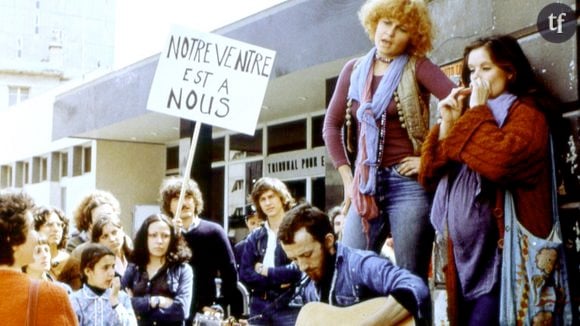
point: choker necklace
(383, 60)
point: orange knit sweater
(53, 306)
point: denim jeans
(404, 207)
(483, 310)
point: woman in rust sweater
(389, 89)
(493, 136)
(17, 242)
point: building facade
(38, 37)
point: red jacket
(515, 157)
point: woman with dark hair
(109, 232)
(53, 225)
(384, 97)
(158, 278)
(17, 242)
(101, 300)
(493, 137)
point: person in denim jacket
(158, 278)
(342, 276)
(268, 273)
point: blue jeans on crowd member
(271, 316)
(404, 208)
(483, 310)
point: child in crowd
(39, 268)
(100, 301)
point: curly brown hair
(412, 14)
(41, 215)
(14, 222)
(82, 215)
(171, 187)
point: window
(317, 123)
(172, 159)
(17, 94)
(87, 159)
(297, 188)
(215, 203)
(5, 176)
(63, 164)
(238, 185)
(25, 173)
(242, 146)
(217, 149)
(43, 169)
(287, 137)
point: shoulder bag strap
(32, 302)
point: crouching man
(375, 291)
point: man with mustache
(342, 276)
(212, 254)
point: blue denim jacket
(360, 275)
(179, 280)
(284, 271)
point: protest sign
(211, 79)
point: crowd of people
(410, 179)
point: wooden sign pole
(187, 172)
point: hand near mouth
(115, 288)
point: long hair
(506, 53)
(266, 183)
(177, 252)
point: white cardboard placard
(211, 79)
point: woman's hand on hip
(409, 166)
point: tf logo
(557, 22)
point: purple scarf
(369, 111)
(460, 206)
